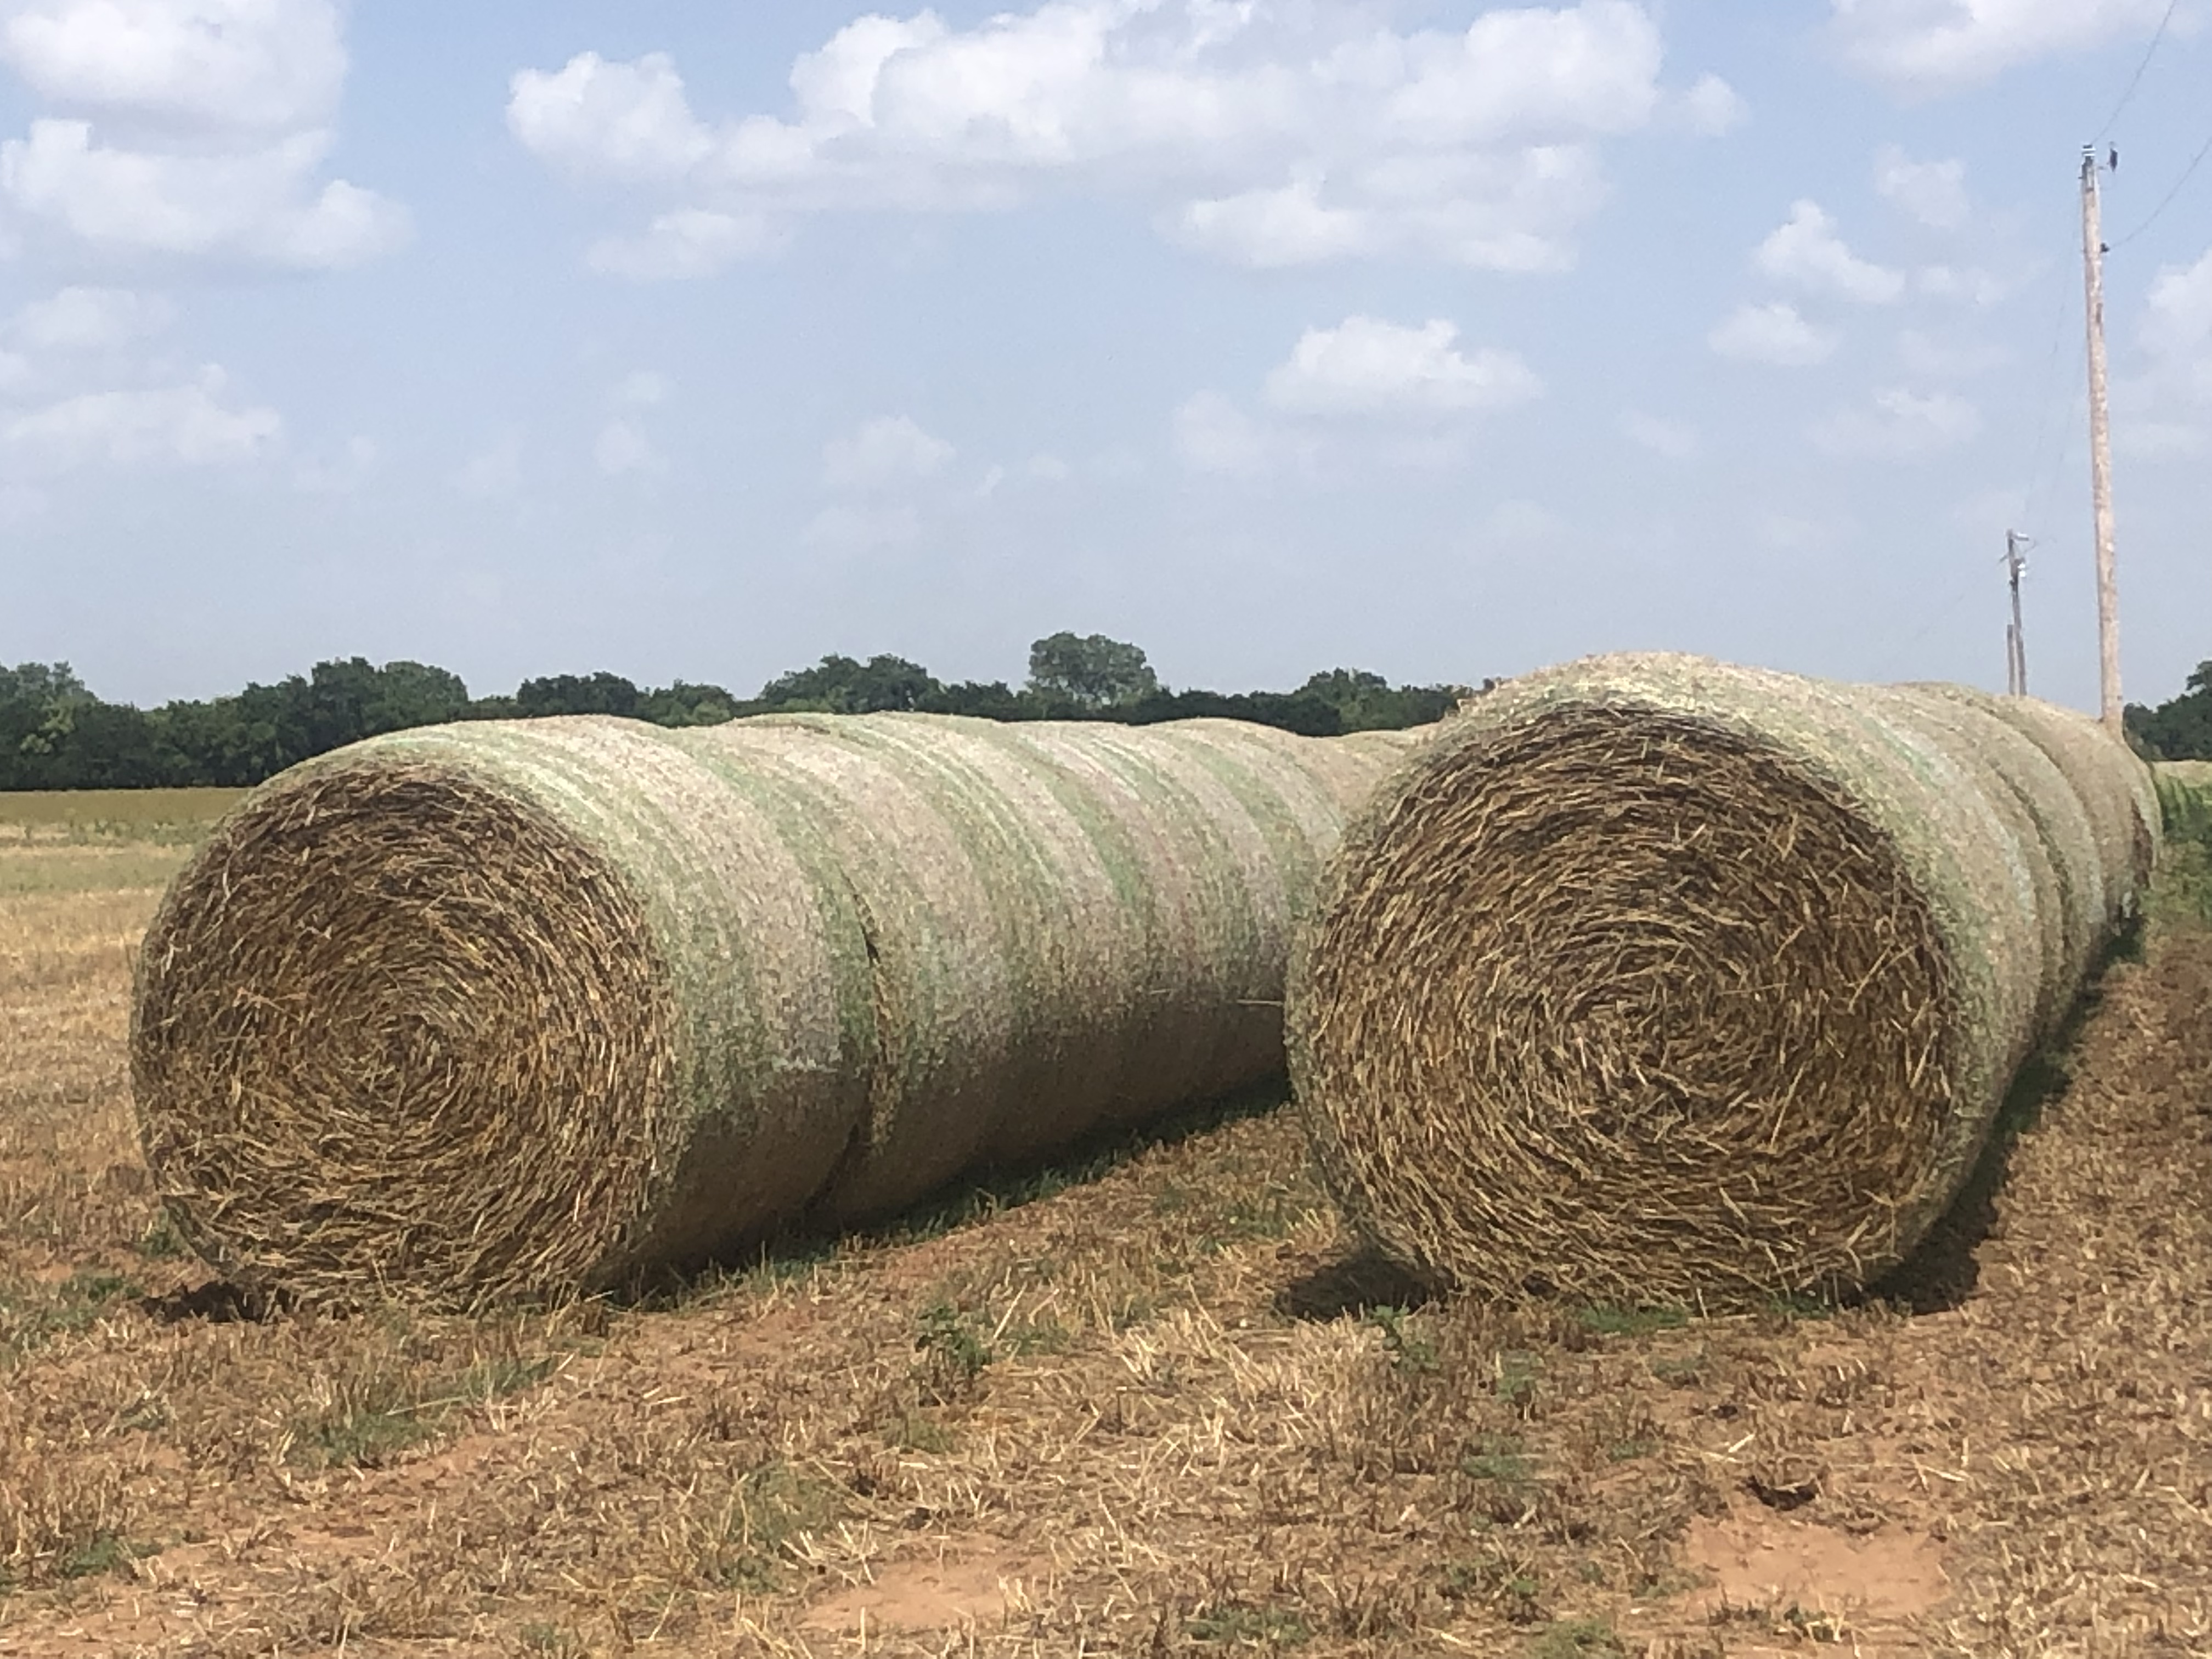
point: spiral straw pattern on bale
(533, 1006)
(1653, 980)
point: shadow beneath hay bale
(218, 1302)
(1357, 1283)
(1946, 1268)
(988, 1191)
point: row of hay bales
(1652, 980)
(532, 1007)
(1645, 980)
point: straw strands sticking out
(532, 1007)
(1653, 980)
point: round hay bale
(494, 1009)
(2114, 786)
(1139, 884)
(528, 1007)
(1653, 980)
(2077, 916)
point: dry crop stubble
(1655, 980)
(1198, 1423)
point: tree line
(56, 734)
(2180, 728)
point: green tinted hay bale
(1136, 885)
(496, 1008)
(2051, 825)
(2120, 799)
(532, 1007)
(1651, 980)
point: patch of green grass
(2181, 892)
(1790, 1308)
(1235, 1625)
(1683, 1371)
(924, 1434)
(1038, 1336)
(1408, 1348)
(1518, 1374)
(370, 1421)
(1575, 1639)
(770, 1507)
(1628, 1451)
(162, 1242)
(104, 1553)
(538, 1637)
(1608, 1321)
(1499, 1457)
(954, 1353)
(31, 1316)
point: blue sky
(1446, 340)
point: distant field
(123, 814)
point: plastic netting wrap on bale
(532, 1007)
(1652, 980)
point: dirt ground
(1149, 1403)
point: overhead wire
(2136, 80)
(2165, 201)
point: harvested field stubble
(1657, 981)
(539, 1005)
(1167, 1410)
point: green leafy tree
(844, 685)
(990, 700)
(570, 694)
(1368, 703)
(1090, 671)
(685, 704)
(2179, 728)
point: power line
(2166, 201)
(2136, 80)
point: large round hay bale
(532, 1007)
(2122, 801)
(1653, 980)
(2051, 826)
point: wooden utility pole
(2100, 452)
(2016, 636)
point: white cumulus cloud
(1212, 434)
(882, 452)
(686, 243)
(276, 63)
(89, 319)
(2165, 412)
(623, 446)
(1936, 45)
(254, 205)
(187, 425)
(1934, 193)
(2177, 330)
(1806, 252)
(1711, 106)
(1366, 365)
(615, 120)
(1264, 135)
(1899, 424)
(1773, 334)
(1675, 440)
(224, 109)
